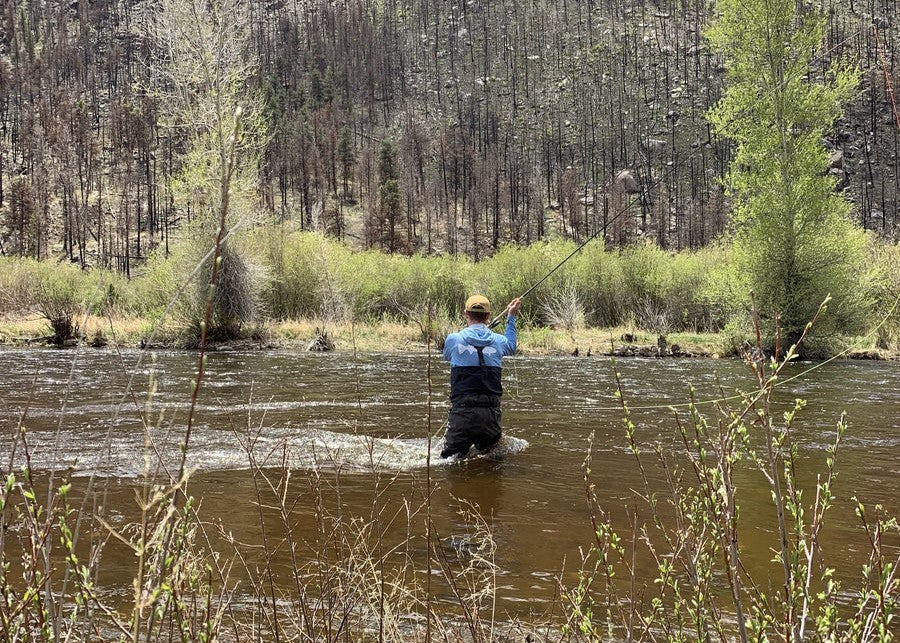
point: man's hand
(513, 307)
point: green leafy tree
(204, 80)
(794, 240)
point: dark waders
(474, 419)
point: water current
(366, 418)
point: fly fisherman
(475, 354)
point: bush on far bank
(59, 291)
(647, 287)
(312, 276)
(884, 275)
(301, 275)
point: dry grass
(380, 337)
(18, 330)
(124, 331)
(392, 337)
(600, 341)
(383, 336)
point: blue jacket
(475, 355)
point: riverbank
(373, 301)
(394, 337)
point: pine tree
(347, 157)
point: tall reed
(692, 530)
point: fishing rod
(496, 320)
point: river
(313, 408)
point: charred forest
(415, 127)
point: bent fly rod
(496, 320)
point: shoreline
(386, 336)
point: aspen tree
(202, 77)
(794, 241)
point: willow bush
(294, 266)
(643, 285)
(600, 283)
(884, 275)
(415, 282)
(159, 282)
(17, 280)
(27, 284)
(514, 269)
(282, 274)
(307, 275)
(62, 293)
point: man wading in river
(475, 354)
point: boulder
(836, 159)
(626, 183)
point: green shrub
(514, 269)
(696, 297)
(296, 275)
(361, 281)
(600, 284)
(65, 294)
(161, 282)
(399, 287)
(312, 276)
(883, 275)
(415, 282)
(296, 264)
(61, 292)
(316, 277)
(18, 284)
(654, 289)
(59, 301)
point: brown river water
(356, 414)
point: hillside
(503, 122)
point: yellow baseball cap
(478, 304)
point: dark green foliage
(387, 162)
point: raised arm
(510, 332)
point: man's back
(475, 355)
